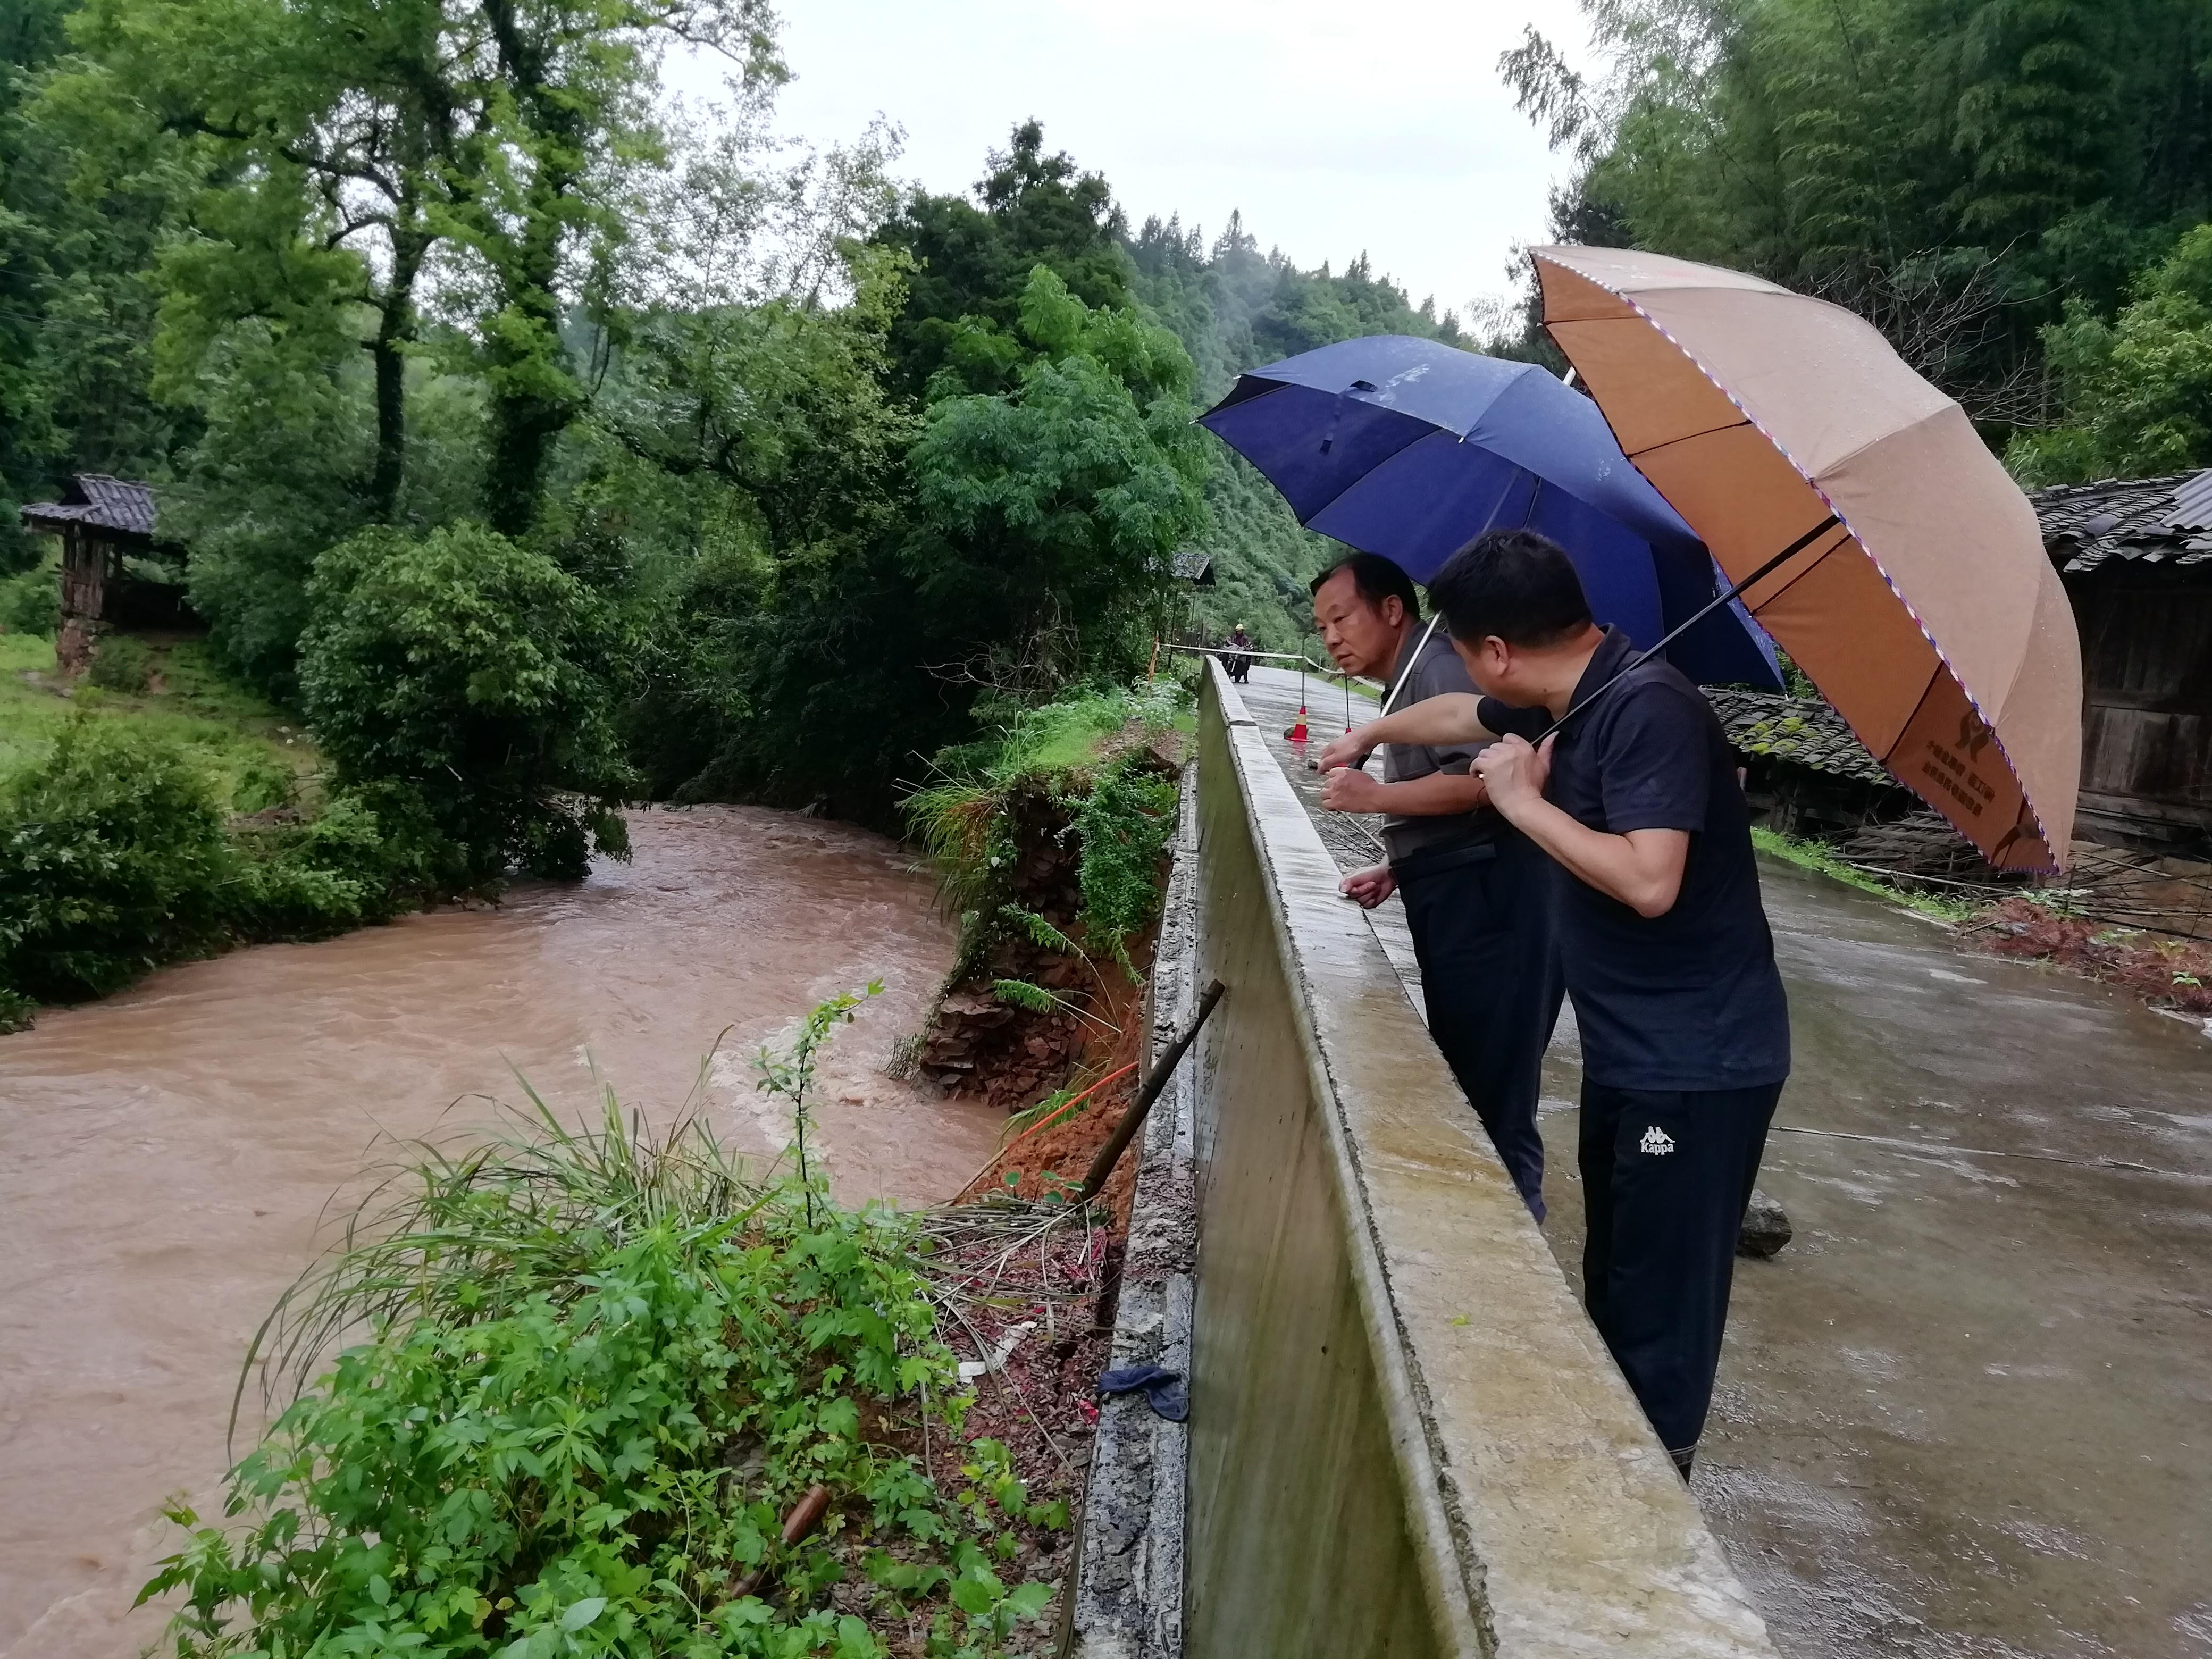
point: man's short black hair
(1376, 578)
(1515, 584)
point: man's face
(1363, 638)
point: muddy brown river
(165, 1155)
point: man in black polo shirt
(1477, 892)
(1663, 940)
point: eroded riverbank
(165, 1155)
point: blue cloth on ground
(1163, 1389)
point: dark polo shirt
(1431, 671)
(1690, 1000)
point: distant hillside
(1234, 308)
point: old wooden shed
(2135, 556)
(102, 521)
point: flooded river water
(165, 1155)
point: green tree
(475, 673)
(88, 190)
(333, 132)
(1051, 512)
(1955, 170)
(1235, 308)
(1032, 548)
(972, 260)
(2138, 389)
(565, 113)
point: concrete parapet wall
(1406, 1438)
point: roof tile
(94, 498)
(1803, 731)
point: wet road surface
(164, 1155)
(1968, 1411)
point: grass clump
(588, 1376)
(234, 735)
(121, 663)
(1089, 767)
(1817, 856)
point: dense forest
(2015, 191)
(539, 443)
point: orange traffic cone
(1297, 733)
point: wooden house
(1805, 771)
(2135, 556)
(101, 521)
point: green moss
(1817, 856)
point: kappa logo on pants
(1657, 1141)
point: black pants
(1666, 1177)
(1481, 918)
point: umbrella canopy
(1921, 601)
(1409, 448)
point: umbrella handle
(1756, 576)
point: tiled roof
(1193, 566)
(94, 498)
(2155, 520)
(1804, 732)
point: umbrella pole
(1756, 576)
(1403, 677)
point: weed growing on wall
(581, 1380)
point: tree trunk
(535, 394)
(395, 329)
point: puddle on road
(164, 1156)
(1965, 1414)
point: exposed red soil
(2165, 971)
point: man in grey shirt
(1477, 895)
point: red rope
(1063, 1110)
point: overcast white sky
(1336, 127)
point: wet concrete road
(1968, 1411)
(164, 1155)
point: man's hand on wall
(1368, 887)
(1350, 749)
(1347, 789)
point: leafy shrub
(114, 859)
(261, 783)
(31, 604)
(474, 673)
(111, 860)
(121, 663)
(1124, 824)
(599, 1371)
(1061, 756)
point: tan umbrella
(1916, 592)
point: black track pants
(1481, 919)
(1666, 1175)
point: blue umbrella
(1410, 448)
